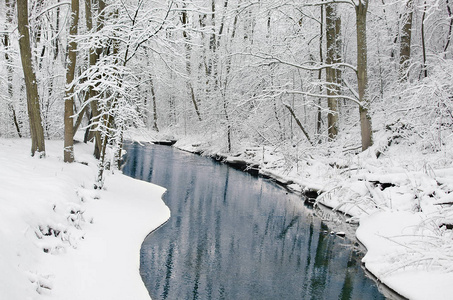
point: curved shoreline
(309, 193)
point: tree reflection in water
(235, 236)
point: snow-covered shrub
(117, 102)
(426, 246)
(424, 110)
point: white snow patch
(406, 256)
(61, 239)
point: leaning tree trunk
(450, 27)
(425, 68)
(34, 111)
(362, 74)
(70, 72)
(299, 123)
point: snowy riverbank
(64, 240)
(60, 238)
(401, 197)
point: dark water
(235, 236)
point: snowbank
(406, 256)
(60, 238)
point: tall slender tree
(333, 75)
(9, 67)
(34, 111)
(405, 39)
(361, 9)
(69, 92)
(424, 67)
(188, 49)
(94, 55)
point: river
(232, 235)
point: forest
(311, 73)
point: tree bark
(425, 69)
(153, 95)
(333, 44)
(362, 74)
(70, 74)
(188, 48)
(321, 60)
(34, 111)
(299, 123)
(93, 58)
(450, 26)
(405, 42)
(224, 83)
(9, 65)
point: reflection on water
(235, 236)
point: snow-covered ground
(399, 193)
(60, 238)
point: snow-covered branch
(305, 65)
(325, 96)
(351, 89)
(51, 7)
(351, 2)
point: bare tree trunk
(405, 42)
(333, 25)
(213, 61)
(93, 58)
(34, 111)
(108, 120)
(450, 26)
(212, 40)
(172, 103)
(301, 127)
(56, 39)
(227, 71)
(321, 60)
(70, 74)
(185, 22)
(339, 51)
(9, 68)
(425, 69)
(78, 121)
(153, 95)
(362, 74)
(227, 119)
